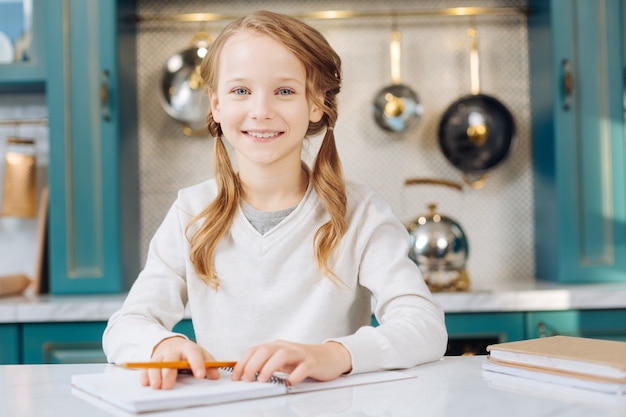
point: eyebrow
(279, 80)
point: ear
(316, 112)
(214, 104)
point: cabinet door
(93, 214)
(578, 139)
(63, 342)
(601, 324)
(19, 75)
(68, 342)
(9, 344)
(470, 333)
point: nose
(261, 106)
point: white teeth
(263, 135)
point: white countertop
(453, 386)
(532, 297)
(537, 296)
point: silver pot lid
(438, 243)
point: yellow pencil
(174, 365)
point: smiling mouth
(263, 135)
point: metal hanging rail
(19, 122)
(346, 14)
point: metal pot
(439, 246)
(477, 131)
(396, 107)
(183, 95)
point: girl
(277, 262)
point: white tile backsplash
(497, 219)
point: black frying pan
(477, 131)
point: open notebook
(122, 389)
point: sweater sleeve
(156, 301)
(412, 327)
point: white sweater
(270, 288)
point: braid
(218, 216)
(329, 185)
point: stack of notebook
(593, 364)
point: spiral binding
(274, 379)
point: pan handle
(395, 52)
(568, 84)
(433, 181)
(474, 62)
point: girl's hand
(323, 362)
(177, 349)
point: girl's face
(260, 100)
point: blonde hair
(323, 75)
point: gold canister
(19, 198)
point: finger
(241, 365)
(168, 378)
(210, 373)
(298, 374)
(154, 378)
(257, 361)
(144, 380)
(280, 360)
(196, 358)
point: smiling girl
(277, 262)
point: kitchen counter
(532, 297)
(536, 296)
(453, 386)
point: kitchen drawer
(62, 342)
(71, 342)
(9, 344)
(601, 324)
(470, 333)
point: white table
(454, 386)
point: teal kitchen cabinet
(470, 333)
(62, 342)
(601, 324)
(9, 344)
(30, 72)
(577, 102)
(75, 342)
(91, 98)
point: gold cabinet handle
(104, 95)
(568, 84)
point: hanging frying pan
(396, 107)
(477, 131)
(183, 95)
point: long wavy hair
(323, 80)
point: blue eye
(240, 91)
(285, 92)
